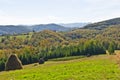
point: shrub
(2, 65)
(41, 61)
(88, 55)
(13, 63)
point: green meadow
(100, 67)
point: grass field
(67, 58)
(102, 67)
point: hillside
(103, 24)
(106, 35)
(81, 33)
(112, 31)
(102, 67)
(47, 37)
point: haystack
(13, 63)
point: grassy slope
(21, 36)
(101, 67)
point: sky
(27, 12)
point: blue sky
(57, 11)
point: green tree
(111, 48)
(2, 64)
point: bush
(88, 55)
(13, 63)
(2, 65)
(41, 61)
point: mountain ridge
(103, 24)
(19, 29)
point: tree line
(91, 47)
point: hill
(112, 31)
(53, 27)
(103, 24)
(105, 35)
(12, 29)
(47, 37)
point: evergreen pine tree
(111, 48)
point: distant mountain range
(18, 29)
(53, 27)
(11, 29)
(74, 25)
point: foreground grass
(101, 67)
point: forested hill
(108, 34)
(103, 24)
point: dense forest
(48, 44)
